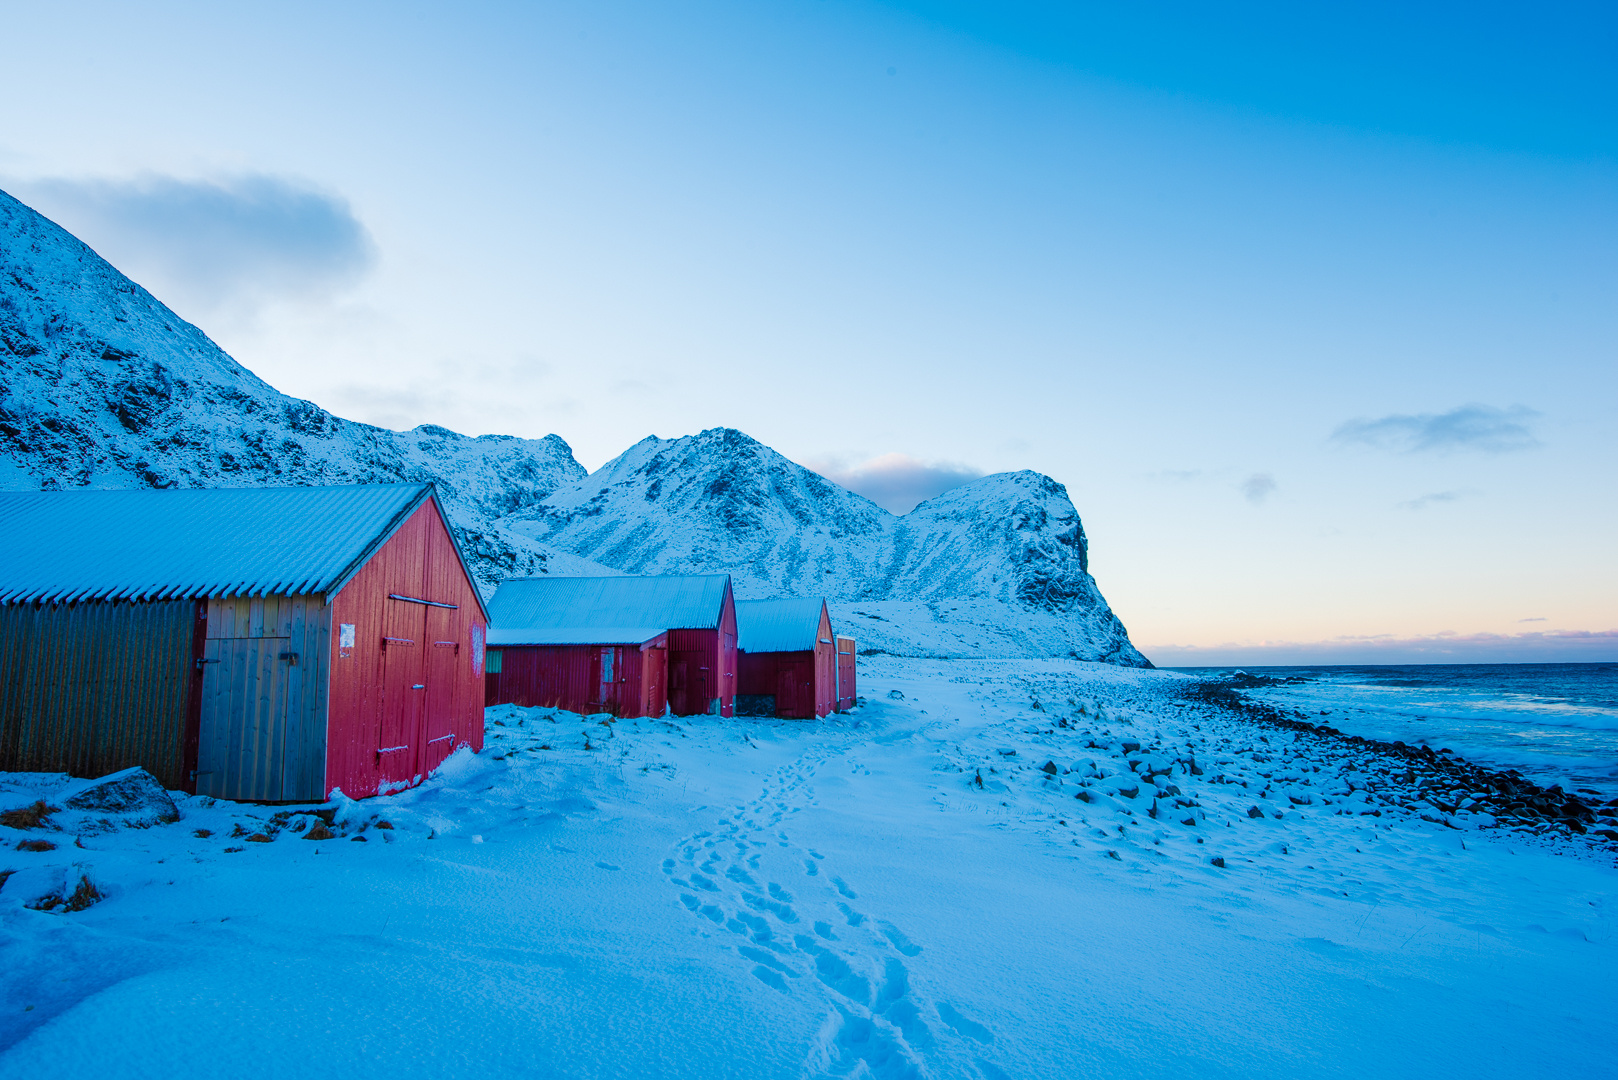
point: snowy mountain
(103, 386)
(998, 566)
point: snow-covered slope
(103, 386)
(997, 567)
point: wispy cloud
(896, 482)
(1258, 487)
(239, 239)
(1422, 502)
(1470, 427)
(1536, 618)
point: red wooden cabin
(258, 644)
(621, 645)
(786, 658)
(845, 674)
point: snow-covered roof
(59, 546)
(571, 635)
(616, 607)
(778, 625)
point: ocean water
(1556, 723)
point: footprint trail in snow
(798, 924)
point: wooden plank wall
(845, 674)
(95, 687)
(372, 695)
(264, 699)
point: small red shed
(845, 674)
(786, 658)
(257, 644)
(629, 646)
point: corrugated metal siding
(546, 677)
(788, 677)
(383, 731)
(693, 659)
(789, 625)
(670, 602)
(95, 687)
(654, 660)
(570, 677)
(262, 731)
(142, 544)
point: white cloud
(235, 242)
(896, 482)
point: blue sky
(1312, 310)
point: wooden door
(399, 738)
(242, 737)
(786, 691)
(701, 694)
(610, 678)
(440, 715)
(654, 666)
(679, 673)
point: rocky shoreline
(1437, 779)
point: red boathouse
(787, 661)
(256, 644)
(628, 646)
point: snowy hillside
(103, 386)
(1003, 558)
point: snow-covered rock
(129, 797)
(103, 386)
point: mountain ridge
(104, 386)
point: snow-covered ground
(905, 890)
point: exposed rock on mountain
(103, 386)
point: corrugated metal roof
(607, 605)
(778, 625)
(60, 546)
(571, 635)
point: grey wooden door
(242, 740)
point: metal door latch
(201, 661)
